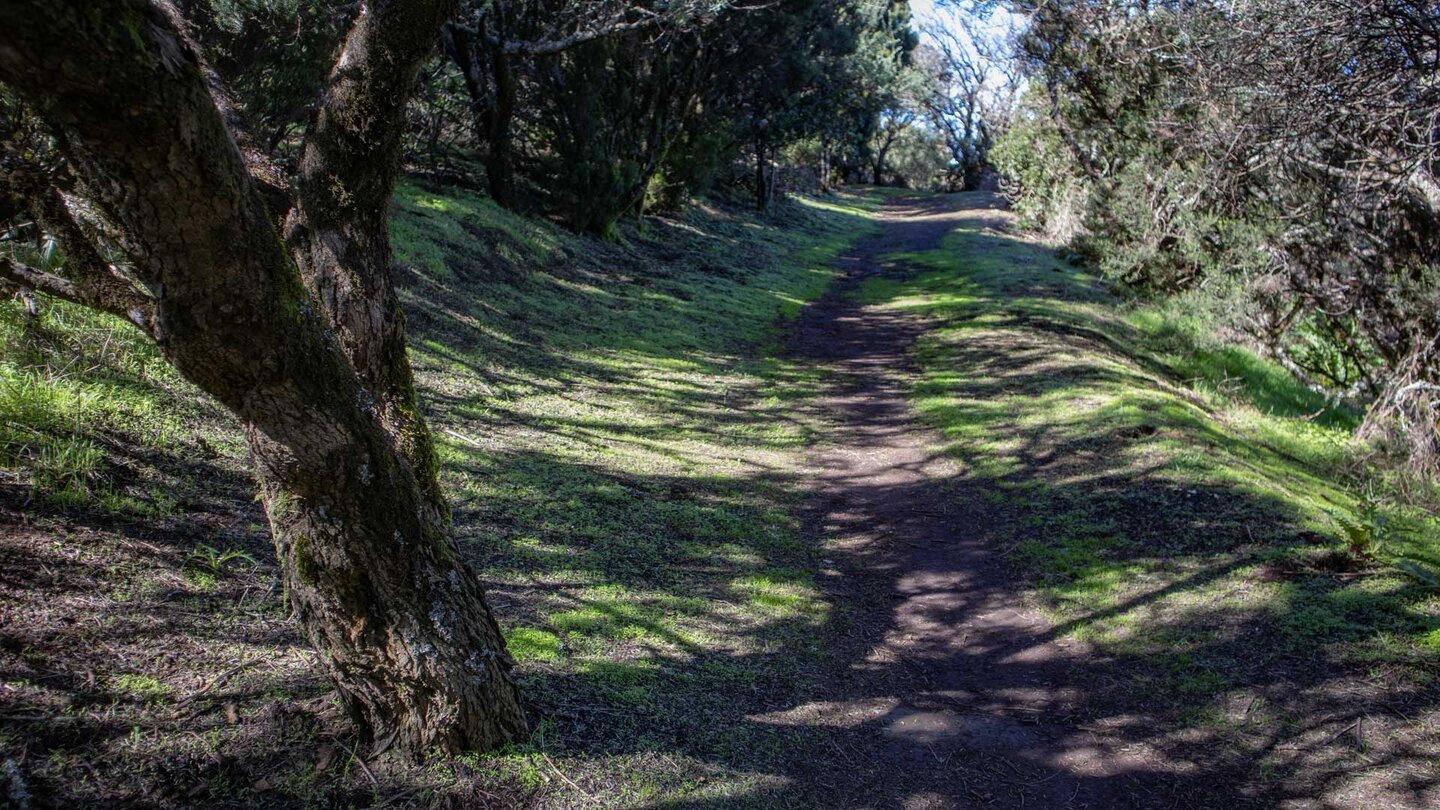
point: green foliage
(1366, 532)
(609, 109)
(697, 159)
(1381, 532)
(1311, 343)
(1039, 173)
(609, 126)
(274, 54)
(212, 560)
(918, 159)
(1176, 144)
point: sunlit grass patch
(1183, 492)
(850, 203)
(778, 593)
(74, 384)
(533, 644)
(139, 687)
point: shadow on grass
(1201, 654)
(1208, 646)
(612, 510)
(662, 612)
(686, 641)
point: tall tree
(501, 45)
(612, 107)
(972, 90)
(296, 329)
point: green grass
(1172, 499)
(139, 687)
(73, 385)
(531, 644)
(617, 433)
(618, 439)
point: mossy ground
(616, 437)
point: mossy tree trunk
(299, 334)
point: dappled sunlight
(733, 571)
(620, 453)
(624, 470)
(1152, 512)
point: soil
(951, 690)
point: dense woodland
(219, 175)
(1282, 155)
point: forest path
(949, 691)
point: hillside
(870, 502)
(614, 432)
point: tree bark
(302, 339)
(878, 166)
(493, 110)
(500, 164)
(762, 188)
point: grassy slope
(617, 435)
(1173, 501)
(616, 438)
(619, 461)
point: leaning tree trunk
(303, 340)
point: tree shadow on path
(954, 692)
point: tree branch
(552, 46)
(142, 314)
(89, 279)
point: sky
(925, 13)
(923, 10)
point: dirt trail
(950, 691)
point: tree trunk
(762, 189)
(500, 164)
(304, 344)
(891, 133)
(492, 111)
(774, 183)
(825, 168)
